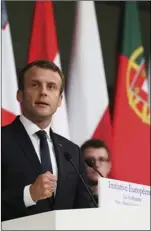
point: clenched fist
(43, 187)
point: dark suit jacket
(21, 166)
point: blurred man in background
(96, 154)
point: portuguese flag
(131, 122)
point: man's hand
(43, 187)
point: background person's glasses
(100, 160)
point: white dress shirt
(31, 129)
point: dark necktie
(44, 152)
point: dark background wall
(108, 14)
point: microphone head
(67, 156)
(90, 163)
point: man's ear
(60, 100)
(19, 96)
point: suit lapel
(61, 162)
(26, 144)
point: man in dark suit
(36, 177)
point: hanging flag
(131, 125)
(10, 106)
(43, 45)
(149, 62)
(87, 97)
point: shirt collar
(32, 128)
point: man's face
(41, 95)
(101, 162)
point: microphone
(90, 163)
(69, 159)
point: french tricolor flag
(10, 106)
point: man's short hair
(46, 64)
(95, 143)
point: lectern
(84, 219)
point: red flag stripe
(7, 116)
(131, 138)
(103, 130)
(45, 32)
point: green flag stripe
(132, 34)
